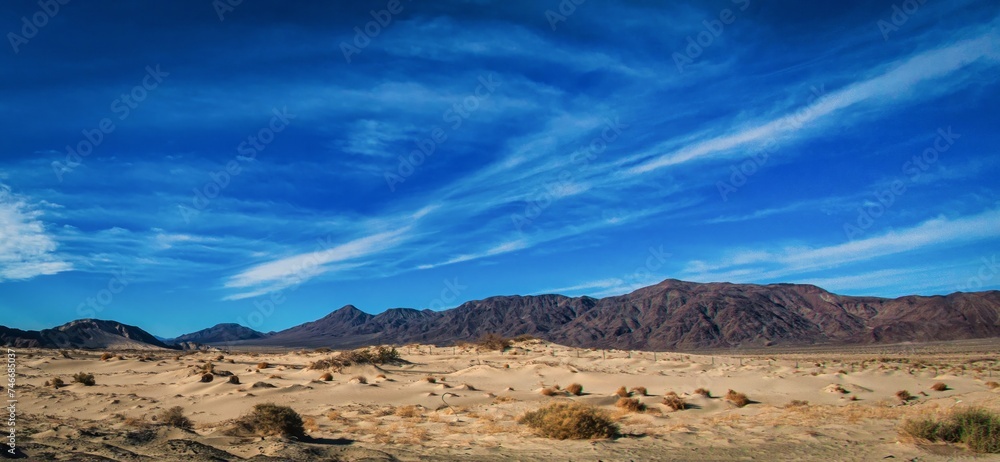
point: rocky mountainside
(82, 333)
(219, 333)
(672, 315)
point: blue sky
(184, 164)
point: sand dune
(448, 403)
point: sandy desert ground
(469, 410)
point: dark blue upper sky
(180, 164)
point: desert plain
(463, 403)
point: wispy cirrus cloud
(27, 249)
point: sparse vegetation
(674, 402)
(234, 380)
(638, 391)
(269, 419)
(359, 379)
(492, 341)
(991, 385)
(85, 379)
(174, 417)
(738, 399)
(549, 391)
(797, 403)
(326, 377)
(940, 386)
(429, 379)
(575, 389)
(703, 392)
(409, 411)
(220, 358)
(55, 383)
(205, 378)
(978, 429)
(904, 395)
(630, 404)
(263, 365)
(622, 392)
(570, 421)
(106, 356)
(375, 355)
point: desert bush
(106, 356)
(991, 385)
(262, 385)
(220, 358)
(174, 417)
(549, 391)
(703, 392)
(638, 391)
(575, 389)
(622, 392)
(56, 383)
(524, 338)
(978, 429)
(570, 421)
(797, 403)
(904, 395)
(85, 379)
(738, 399)
(940, 386)
(674, 402)
(376, 355)
(207, 378)
(429, 379)
(269, 419)
(326, 377)
(630, 404)
(263, 365)
(492, 341)
(234, 380)
(359, 379)
(408, 411)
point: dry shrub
(630, 404)
(979, 429)
(174, 417)
(310, 424)
(703, 392)
(622, 392)
(274, 376)
(575, 389)
(504, 399)
(220, 358)
(207, 378)
(106, 356)
(360, 379)
(430, 379)
(326, 377)
(380, 376)
(492, 341)
(269, 419)
(234, 380)
(56, 383)
(738, 399)
(940, 386)
(409, 411)
(797, 403)
(263, 365)
(674, 402)
(549, 391)
(991, 385)
(375, 355)
(638, 391)
(570, 421)
(904, 395)
(85, 379)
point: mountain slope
(219, 333)
(82, 333)
(671, 315)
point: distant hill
(671, 315)
(82, 333)
(219, 333)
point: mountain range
(671, 315)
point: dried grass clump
(630, 404)
(991, 385)
(492, 341)
(738, 399)
(622, 392)
(234, 380)
(940, 386)
(797, 403)
(326, 377)
(549, 391)
(85, 379)
(703, 392)
(359, 379)
(207, 378)
(638, 391)
(978, 429)
(263, 365)
(376, 356)
(409, 411)
(575, 389)
(674, 402)
(269, 419)
(220, 358)
(174, 417)
(106, 356)
(55, 383)
(570, 421)
(904, 395)
(430, 379)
